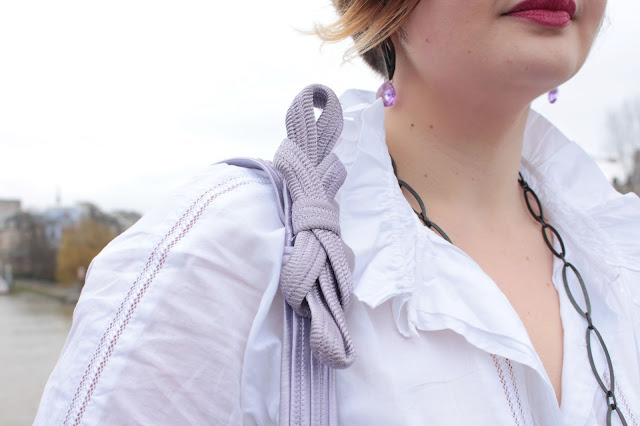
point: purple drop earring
(553, 96)
(387, 92)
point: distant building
(632, 183)
(9, 208)
(93, 212)
(25, 248)
(125, 219)
(57, 219)
(29, 242)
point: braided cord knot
(316, 280)
(309, 214)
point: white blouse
(180, 320)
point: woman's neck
(460, 155)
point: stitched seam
(515, 389)
(627, 407)
(125, 312)
(623, 399)
(505, 388)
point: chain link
(609, 391)
(422, 214)
(549, 234)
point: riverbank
(33, 329)
(52, 290)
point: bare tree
(623, 124)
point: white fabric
(197, 339)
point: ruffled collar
(397, 258)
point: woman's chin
(537, 78)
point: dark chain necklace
(549, 233)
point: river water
(33, 329)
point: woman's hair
(369, 23)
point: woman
(466, 321)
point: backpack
(316, 277)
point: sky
(117, 102)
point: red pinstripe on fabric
(622, 400)
(515, 388)
(627, 408)
(518, 420)
(131, 301)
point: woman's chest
(435, 378)
(525, 278)
(440, 378)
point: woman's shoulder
(601, 225)
(225, 214)
(572, 179)
(220, 185)
(222, 206)
(179, 289)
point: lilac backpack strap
(284, 206)
(316, 277)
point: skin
(465, 78)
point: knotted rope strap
(316, 280)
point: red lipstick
(553, 13)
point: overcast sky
(116, 102)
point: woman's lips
(553, 18)
(554, 13)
